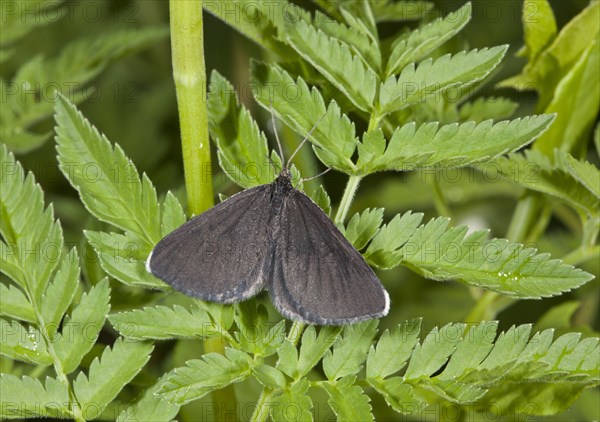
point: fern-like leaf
(26, 397)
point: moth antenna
(276, 135)
(314, 177)
(304, 140)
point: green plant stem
(441, 204)
(351, 187)
(189, 74)
(58, 367)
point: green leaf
(252, 21)
(334, 60)
(108, 183)
(398, 395)
(14, 304)
(576, 102)
(300, 108)
(430, 355)
(362, 227)
(443, 253)
(535, 171)
(350, 350)
(292, 404)
(422, 41)
(320, 197)
(415, 84)
(162, 323)
(390, 237)
(389, 10)
(360, 44)
(26, 397)
(32, 239)
(393, 349)
(123, 257)
(23, 343)
(242, 148)
(108, 375)
(471, 350)
(288, 358)
(150, 407)
(81, 328)
(314, 346)
(584, 172)
(59, 294)
(487, 108)
(454, 145)
(269, 376)
(539, 26)
(172, 214)
(201, 376)
(348, 401)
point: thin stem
(582, 254)
(351, 187)
(189, 74)
(439, 199)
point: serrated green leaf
(288, 358)
(172, 214)
(150, 407)
(242, 148)
(269, 376)
(115, 193)
(350, 350)
(584, 172)
(23, 343)
(108, 375)
(123, 258)
(60, 292)
(163, 323)
(397, 394)
(360, 43)
(390, 237)
(371, 147)
(334, 138)
(292, 404)
(256, 24)
(415, 84)
(27, 397)
(14, 304)
(422, 41)
(454, 145)
(321, 198)
(430, 355)
(393, 349)
(487, 108)
(32, 239)
(334, 60)
(81, 328)
(201, 376)
(362, 227)
(313, 347)
(535, 171)
(471, 350)
(348, 401)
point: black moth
(275, 237)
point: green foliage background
(112, 59)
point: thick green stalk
(189, 74)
